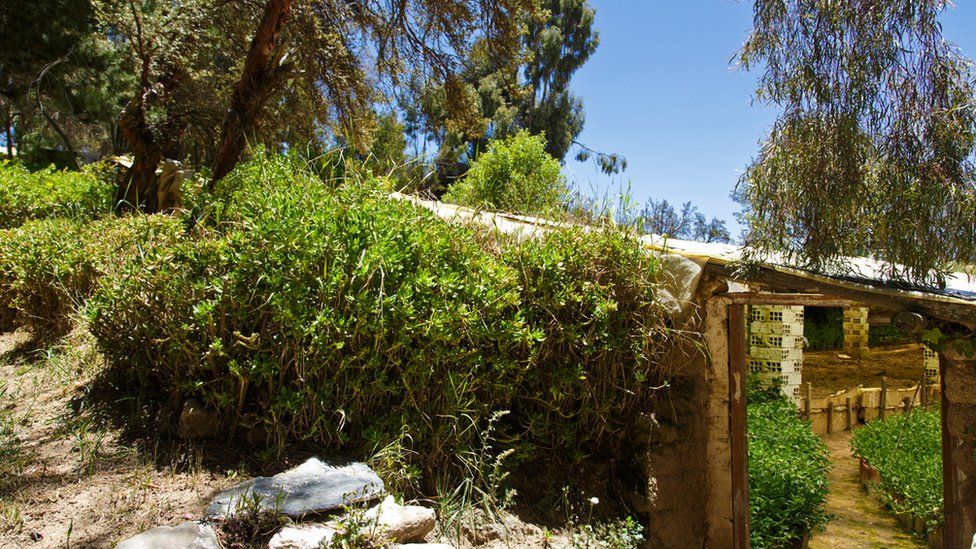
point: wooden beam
(951, 311)
(737, 426)
(808, 300)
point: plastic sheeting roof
(685, 260)
(860, 270)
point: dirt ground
(858, 521)
(69, 481)
(828, 373)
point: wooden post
(737, 426)
(907, 401)
(958, 451)
(884, 398)
(806, 401)
(830, 417)
(850, 415)
(950, 487)
(923, 396)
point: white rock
(402, 523)
(309, 537)
(189, 535)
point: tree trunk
(260, 77)
(137, 190)
(8, 133)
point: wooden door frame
(953, 530)
(737, 425)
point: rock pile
(310, 490)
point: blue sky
(660, 90)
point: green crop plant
(788, 467)
(906, 451)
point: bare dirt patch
(828, 373)
(72, 482)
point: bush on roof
(514, 175)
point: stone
(426, 546)
(309, 537)
(189, 535)
(402, 523)
(312, 487)
(196, 421)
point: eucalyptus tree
(181, 55)
(661, 217)
(874, 144)
(219, 76)
(344, 51)
(61, 82)
(535, 95)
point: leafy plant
(327, 311)
(788, 467)
(26, 195)
(355, 530)
(906, 451)
(48, 267)
(251, 524)
(514, 175)
(626, 533)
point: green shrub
(514, 175)
(823, 327)
(48, 267)
(342, 316)
(906, 450)
(788, 467)
(26, 195)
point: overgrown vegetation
(338, 315)
(788, 467)
(48, 267)
(514, 175)
(906, 451)
(26, 195)
(308, 306)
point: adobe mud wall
(688, 465)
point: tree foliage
(660, 217)
(535, 95)
(873, 149)
(61, 83)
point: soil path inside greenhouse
(857, 519)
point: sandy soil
(858, 521)
(829, 373)
(72, 483)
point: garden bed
(870, 481)
(901, 465)
(788, 467)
